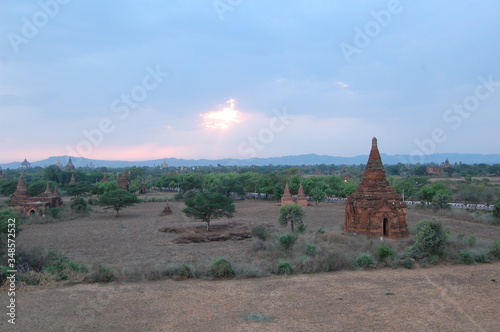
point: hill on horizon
(297, 160)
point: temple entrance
(385, 227)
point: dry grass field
(445, 298)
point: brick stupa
(375, 209)
(287, 197)
(301, 197)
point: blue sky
(138, 80)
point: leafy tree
(79, 189)
(431, 237)
(53, 173)
(496, 209)
(440, 201)
(117, 199)
(225, 184)
(79, 205)
(37, 187)
(103, 187)
(7, 187)
(291, 213)
(206, 206)
(317, 194)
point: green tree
(79, 189)
(440, 201)
(496, 209)
(103, 187)
(206, 206)
(37, 187)
(53, 173)
(291, 214)
(225, 184)
(431, 237)
(117, 199)
(79, 205)
(317, 194)
(7, 187)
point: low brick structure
(287, 197)
(123, 182)
(375, 209)
(301, 197)
(21, 201)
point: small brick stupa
(301, 197)
(287, 197)
(375, 209)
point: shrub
(222, 268)
(321, 231)
(301, 228)
(3, 274)
(61, 266)
(482, 257)
(79, 205)
(54, 212)
(261, 232)
(284, 267)
(385, 253)
(311, 249)
(258, 245)
(408, 262)
(472, 241)
(466, 257)
(365, 260)
(495, 249)
(287, 241)
(431, 237)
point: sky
(151, 79)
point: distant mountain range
(304, 159)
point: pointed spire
(105, 178)
(47, 191)
(70, 165)
(21, 190)
(73, 180)
(56, 192)
(301, 197)
(286, 198)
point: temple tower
(375, 209)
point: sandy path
(444, 298)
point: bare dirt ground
(445, 298)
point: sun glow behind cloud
(222, 119)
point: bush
(258, 245)
(102, 274)
(311, 249)
(495, 250)
(3, 274)
(385, 253)
(482, 257)
(61, 266)
(408, 262)
(365, 260)
(466, 257)
(301, 228)
(261, 232)
(287, 241)
(222, 268)
(472, 241)
(284, 267)
(54, 212)
(79, 205)
(431, 238)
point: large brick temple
(375, 209)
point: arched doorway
(385, 227)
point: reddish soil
(445, 298)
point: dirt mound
(218, 232)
